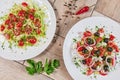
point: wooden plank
(66, 20)
(10, 70)
(110, 8)
(95, 13)
(54, 51)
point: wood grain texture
(66, 21)
(10, 70)
(110, 8)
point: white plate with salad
(91, 49)
(26, 28)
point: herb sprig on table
(38, 67)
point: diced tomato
(2, 27)
(21, 43)
(32, 40)
(78, 44)
(112, 61)
(32, 11)
(17, 32)
(37, 23)
(110, 43)
(99, 39)
(102, 51)
(31, 16)
(112, 37)
(87, 33)
(28, 29)
(19, 24)
(38, 31)
(102, 73)
(88, 61)
(10, 26)
(12, 17)
(7, 21)
(116, 48)
(24, 4)
(89, 72)
(101, 30)
(80, 48)
(22, 13)
(109, 53)
(7, 36)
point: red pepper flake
(82, 10)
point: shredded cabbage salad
(24, 25)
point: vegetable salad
(24, 25)
(96, 52)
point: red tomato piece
(24, 4)
(110, 43)
(80, 49)
(32, 40)
(87, 33)
(38, 31)
(32, 11)
(21, 43)
(88, 61)
(19, 24)
(109, 53)
(116, 48)
(37, 23)
(28, 30)
(17, 32)
(99, 39)
(112, 37)
(102, 51)
(113, 62)
(22, 13)
(12, 17)
(101, 30)
(102, 73)
(78, 44)
(10, 26)
(31, 16)
(89, 72)
(2, 27)
(7, 36)
(7, 21)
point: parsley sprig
(38, 67)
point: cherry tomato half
(32, 40)
(21, 43)
(2, 27)
(87, 33)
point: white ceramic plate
(91, 22)
(21, 54)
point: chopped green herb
(37, 67)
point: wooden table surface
(15, 70)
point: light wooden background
(15, 70)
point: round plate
(91, 22)
(21, 54)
